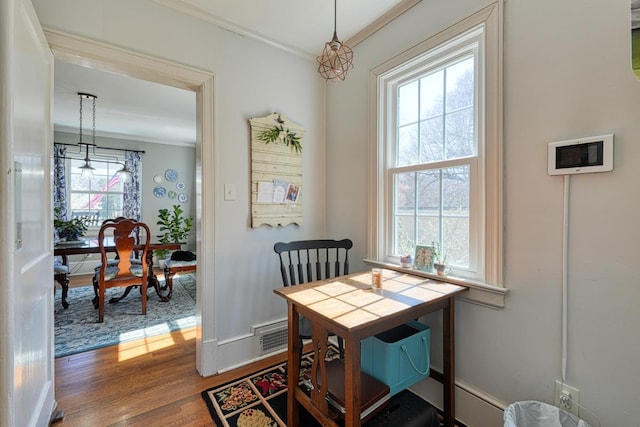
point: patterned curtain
(59, 179)
(131, 200)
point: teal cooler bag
(398, 357)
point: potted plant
(69, 230)
(174, 228)
(439, 260)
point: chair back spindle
(304, 261)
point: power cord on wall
(566, 400)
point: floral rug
(260, 400)
(77, 329)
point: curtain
(59, 179)
(131, 200)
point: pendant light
(337, 58)
(87, 170)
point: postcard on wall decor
(293, 194)
(265, 191)
(279, 190)
(424, 258)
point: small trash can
(531, 413)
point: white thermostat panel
(584, 155)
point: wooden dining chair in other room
(61, 275)
(304, 261)
(122, 271)
(135, 259)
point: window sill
(479, 293)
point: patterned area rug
(260, 400)
(77, 329)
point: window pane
(455, 245)
(408, 103)
(455, 215)
(404, 213)
(79, 200)
(432, 95)
(405, 232)
(460, 85)
(459, 141)
(432, 145)
(405, 193)
(407, 145)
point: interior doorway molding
(93, 54)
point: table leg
(448, 349)
(352, 392)
(293, 367)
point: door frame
(93, 54)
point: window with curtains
(438, 155)
(98, 197)
(104, 195)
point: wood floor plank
(151, 382)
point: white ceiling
(141, 110)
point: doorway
(96, 55)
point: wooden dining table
(91, 246)
(348, 307)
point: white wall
(567, 75)
(251, 80)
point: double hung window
(98, 197)
(437, 158)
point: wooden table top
(349, 304)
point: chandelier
(87, 169)
(337, 58)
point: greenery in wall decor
(282, 134)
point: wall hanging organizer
(276, 171)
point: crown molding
(219, 21)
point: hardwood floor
(151, 382)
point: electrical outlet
(567, 398)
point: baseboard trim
(474, 407)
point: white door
(26, 266)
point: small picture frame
(423, 260)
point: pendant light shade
(337, 58)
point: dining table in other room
(91, 246)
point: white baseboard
(232, 350)
(474, 408)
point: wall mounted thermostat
(583, 155)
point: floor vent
(273, 339)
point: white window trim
(491, 291)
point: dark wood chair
(308, 260)
(122, 271)
(135, 259)
(61, 275)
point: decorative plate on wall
(180, 185)
(159, 191)
(171, 175)
(182, 198)
(172, 194)
(158, 179)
